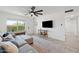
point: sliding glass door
(15, 26)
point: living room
(37, 27)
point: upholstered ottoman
(29, 40)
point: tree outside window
(15, 26)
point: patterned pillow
(8, 37)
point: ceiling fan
(35, 12)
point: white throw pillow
(1, 39)
(20, 41)
(9, 47)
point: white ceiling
(21, 10)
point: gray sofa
(27, 49)
(22, 45)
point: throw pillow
(20, 41)
(8, 37)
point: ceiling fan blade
(33, 8)
(35, 14)
(39, 11)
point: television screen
(47, 24)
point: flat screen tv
(47, 24)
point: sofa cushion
(24, 37)
(27, 49)
(9, 47)
(20, 42)
(15, 43)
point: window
(15, 26)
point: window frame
(17, 30)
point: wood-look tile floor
(46, 45)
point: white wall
(2, 25)
(58, 31)
(71, 25)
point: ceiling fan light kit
(35, 12)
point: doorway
(72, 32)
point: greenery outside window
(15, 26)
